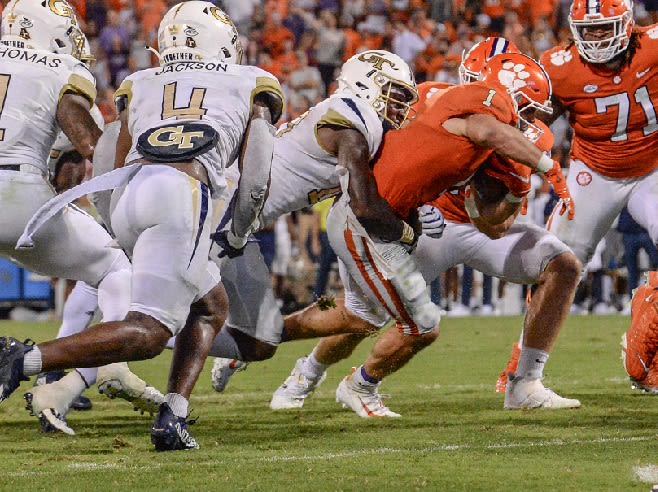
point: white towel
(113, 179)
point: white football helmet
(197, 30)
(615, 16)
(383, 79)
(43, 25)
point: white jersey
(32, 83)
(303, 172)
(212, 93)
(63, 144)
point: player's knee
(146, 336)
(251, 349)
(568, 266)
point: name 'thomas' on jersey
(303, 172)
(207, 92)
(32, 82)
(613, 114)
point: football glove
(432, 221)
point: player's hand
(432, 221)
(524, 206)
(230, 244)
(559, 184)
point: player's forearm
(255, 166)
(372, 211)
(76, 122)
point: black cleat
(169, 432)
(11, 364)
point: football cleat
(50, 405)
(12, 353)
(295, 389)
(223, 369)
(512, 364)
(364, 400)
(531, 393)
(117, 381)
(79, 403)
(169, 432)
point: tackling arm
(255, 164)
(77, 123)
(372, 211)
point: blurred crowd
(304, 43)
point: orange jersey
(515, 176)
(613, 114)
(422, 160)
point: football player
(45, 88)
(181, 125)
(607, 81)
(473, 223)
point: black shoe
(11, 364)
(80, 403)
(169, 432)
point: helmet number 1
(4, 85)
(488, 101)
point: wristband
(545, 164)
(471, 208)
(513, 198)
(408, 234)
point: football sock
(88, 374)
(531, 363)
(32, 362)
(313, 369)
(362, 378)
(78, 310)
(177, 403)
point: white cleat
(50, 403)
(295, 389)
(117, 381)
(223, 369)
(531, 393)
(365, 401)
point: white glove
(432, 221)
(235, 241)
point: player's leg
(310, 371)
(539, 257)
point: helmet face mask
(198, 30)
(50, 26)
(601, 30)
(474, 60)
(528, 84)
(383, 79)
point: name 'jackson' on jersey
(211, 93)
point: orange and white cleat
(640, 343)
(511, 366)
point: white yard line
(647, 473)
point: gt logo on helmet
(376, 60)
(60, 7)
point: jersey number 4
(622, 100)
(4, 85)
(194, 109)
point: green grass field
(453, 434)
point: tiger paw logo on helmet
(561, 57)
(513, 75)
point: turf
(453, 434)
